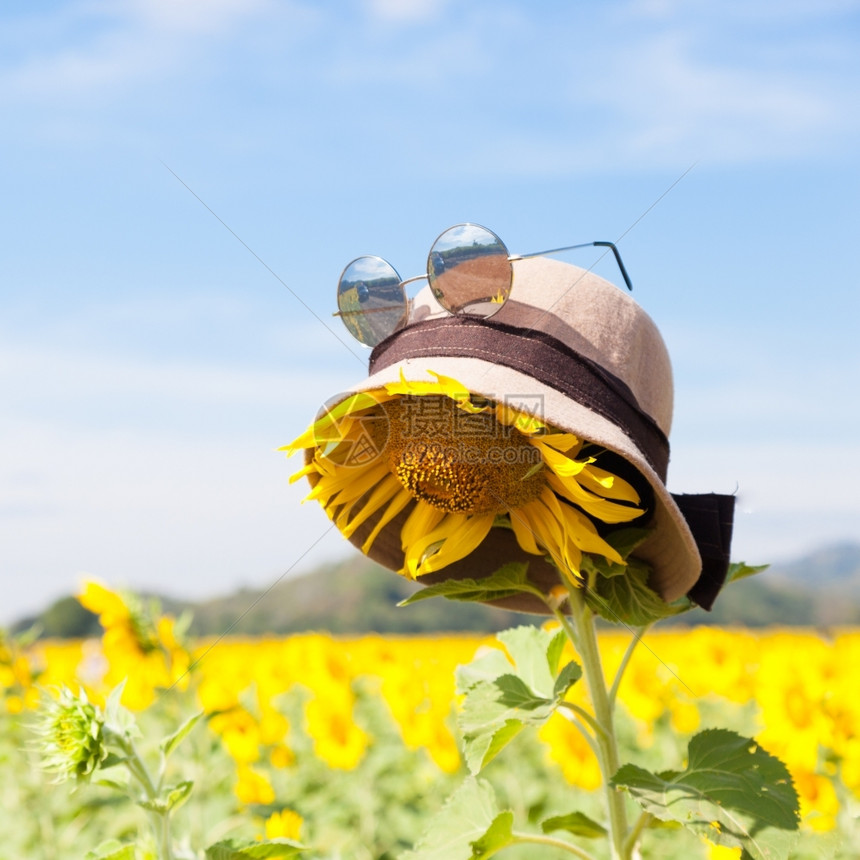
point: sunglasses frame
(511, 258)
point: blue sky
(150, 364)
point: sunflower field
(144, 744)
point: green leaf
(489, 664)
(568, 676)
(113, 849)
(172, 741)
(628, 598)
(741, 570)
(171, 796)
(112, 760)
(120, 719)
(577, 823)
(529, 648)
(624, 541)
(501, 698)
(156, 804)
(182, 624)
(468, 816)
(230, 849)
(499, 835)
(111, 783)
(178, 794)
(513, 692)
(732, 792)
(555, 650)
(487, 725)
(596, 565)
(505, 582)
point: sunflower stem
(625, 660)
(584, 715)
(159, 820)
(636, 832)
(585, 641)
(583, 730)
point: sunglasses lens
(469, 271)
(370, 299)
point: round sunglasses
(469, 272)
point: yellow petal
(395, 506)
(328, 423)
(457, 535)
(601, 509)
(310, 469)
(606, 484)
(556, 530)
(443, 385)
(582, 532)
(560, 463)
(348, 484)
(564, 442)
(522, 421)
(524, 530)
(547, 531)
(422, 519)
(384, 492)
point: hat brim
(670, 549)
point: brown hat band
(538, 355)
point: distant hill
(821, 589)
(358, 596)
(354, 596)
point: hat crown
(592, 317)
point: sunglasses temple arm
(574, 248)
(617, 260)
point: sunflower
(461, 465)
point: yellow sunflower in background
(465, 465)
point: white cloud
(195, 16)
(405, 11)
(690, 86)
(674, 100)
(108, 47)
(730, 12)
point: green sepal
(507, 581)
(577, 823)
(732, 792)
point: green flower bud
(72, 733)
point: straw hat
(583, 353)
